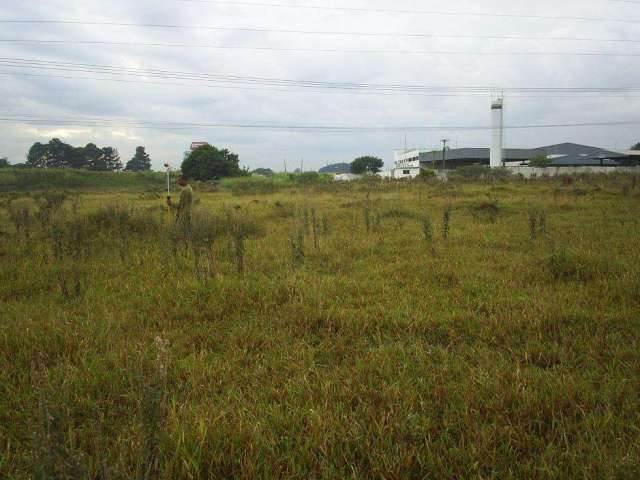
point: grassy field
(426, 330)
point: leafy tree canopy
(636, 146)
(57, 154)
(4, 162)
(540, 161)
(209, 163)
(140, 162)
(367, 164)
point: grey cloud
(53, 97)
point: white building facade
(406, 164)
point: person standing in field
(183, 208)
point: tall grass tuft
(315, 228)
(20, 216)
(154, 411)
(205, 230)
(297, 247)
(537, 222)
(50, 205)
(446, 221)
(427, 229)
(241, 229)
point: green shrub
(487, 209)
(479, 173)
(564, 265)
(427, 174)
(123, 219)
(253, 186)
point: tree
(60, 154)
(140, 162)
(110, 158)
(209, 163)
(4, 162)
(57, 154)
(540, 161)
(91, 157)
(38, 155)
(366, 164)
(636, 146)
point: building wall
(346, 177)
(410, 158)
(409, 172)
(529, 172)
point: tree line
(57, 154)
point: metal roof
(562, 154)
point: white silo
(497, 129)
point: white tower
(497, 130)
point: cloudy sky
(64, 99)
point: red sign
(196, 145)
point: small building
(407, 164)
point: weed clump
(297, 247)
(487, 209)
(241, 228)
(446, 220)
(399, 215)
(119, 219)
(205, 230)
(20, 216)
(566, 265)
(50, 205)
(537, 222)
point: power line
(320, 32)
(105, 122)
(411, 11)
(326, 91)
(317, 50)
(289, 83)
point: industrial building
(408, 163)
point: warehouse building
(409, 163)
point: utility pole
(444, 152)
(301, 164)
(285, 164)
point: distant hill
(336, 168)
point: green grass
(377, 354)
(26, 180)
(36, 179)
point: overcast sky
(73, 97)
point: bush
(487, 209)
(541, 161)
(565, 265)
(308, 178)
(119, 219)
(209, 163)
(426, 174)
(253, 186)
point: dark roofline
(522, 154)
